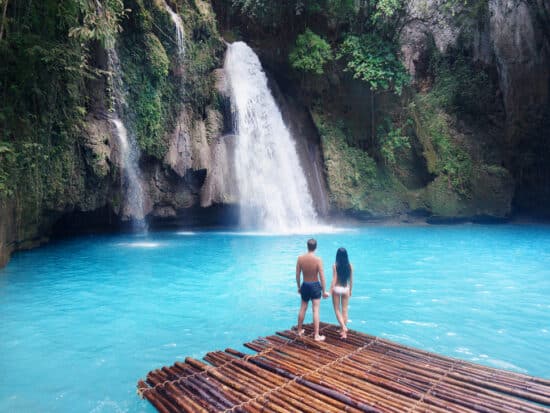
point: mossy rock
(356, 183)
(442, 200)
(491, 195)
(158, 60)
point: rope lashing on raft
(141, 391)
(301, 377)
(433, 386)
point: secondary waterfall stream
(127, 146)
(273, 191)
(178, 23)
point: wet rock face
(200, 156)
(426, 22)
(512, 39)
(520, 38)
(522, 57)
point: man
(312, 287)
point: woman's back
(343, 267)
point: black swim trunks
(311, 291)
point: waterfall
(273, 192)
(127, 146)
(176, 19)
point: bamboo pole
(183, 398)
(329, 392)
(301, 391)
(162, 405)
(493, 405)
(255, 376)
(288, 366)
(494, 383)
(355, 369)
(361, 373)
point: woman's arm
(334, 278)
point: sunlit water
(82, 320)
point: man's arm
(298, 271)
(322, 278)
(350, 279)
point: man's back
(310, 266)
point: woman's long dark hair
(343, 269)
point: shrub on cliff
(311, 53)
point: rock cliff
(488, 159)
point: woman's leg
(345, 301)
(336, 304)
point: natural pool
(83, 319)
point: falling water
(176, 19)
(273, 191)
(128, 150)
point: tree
(311, 53)
(371, 59)
(100, 21)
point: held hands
(325, 294)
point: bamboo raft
(360, 374)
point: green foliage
(338, 10)
(465, 13)
(261, 11)
(311, 53)
(369, 16)
(391, 143)
(158, 80)
(158, 60)
(350, 171)
(150, 116)
(279, 13)
(442, 153)
(373, 60)
(99, 21)
(355, 182)
(458, 88)
(385, 10)
(458, 85)
(42, 92)
(199, 83)
(7, 163)
(145, 67)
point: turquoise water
(83, 319)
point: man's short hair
(311, 244)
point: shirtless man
(313, 286)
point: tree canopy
(311, 53)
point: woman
(340, 288)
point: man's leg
(315, 304)
(301, 316)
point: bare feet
(319, 338)
(299, 332)
(343, 333)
